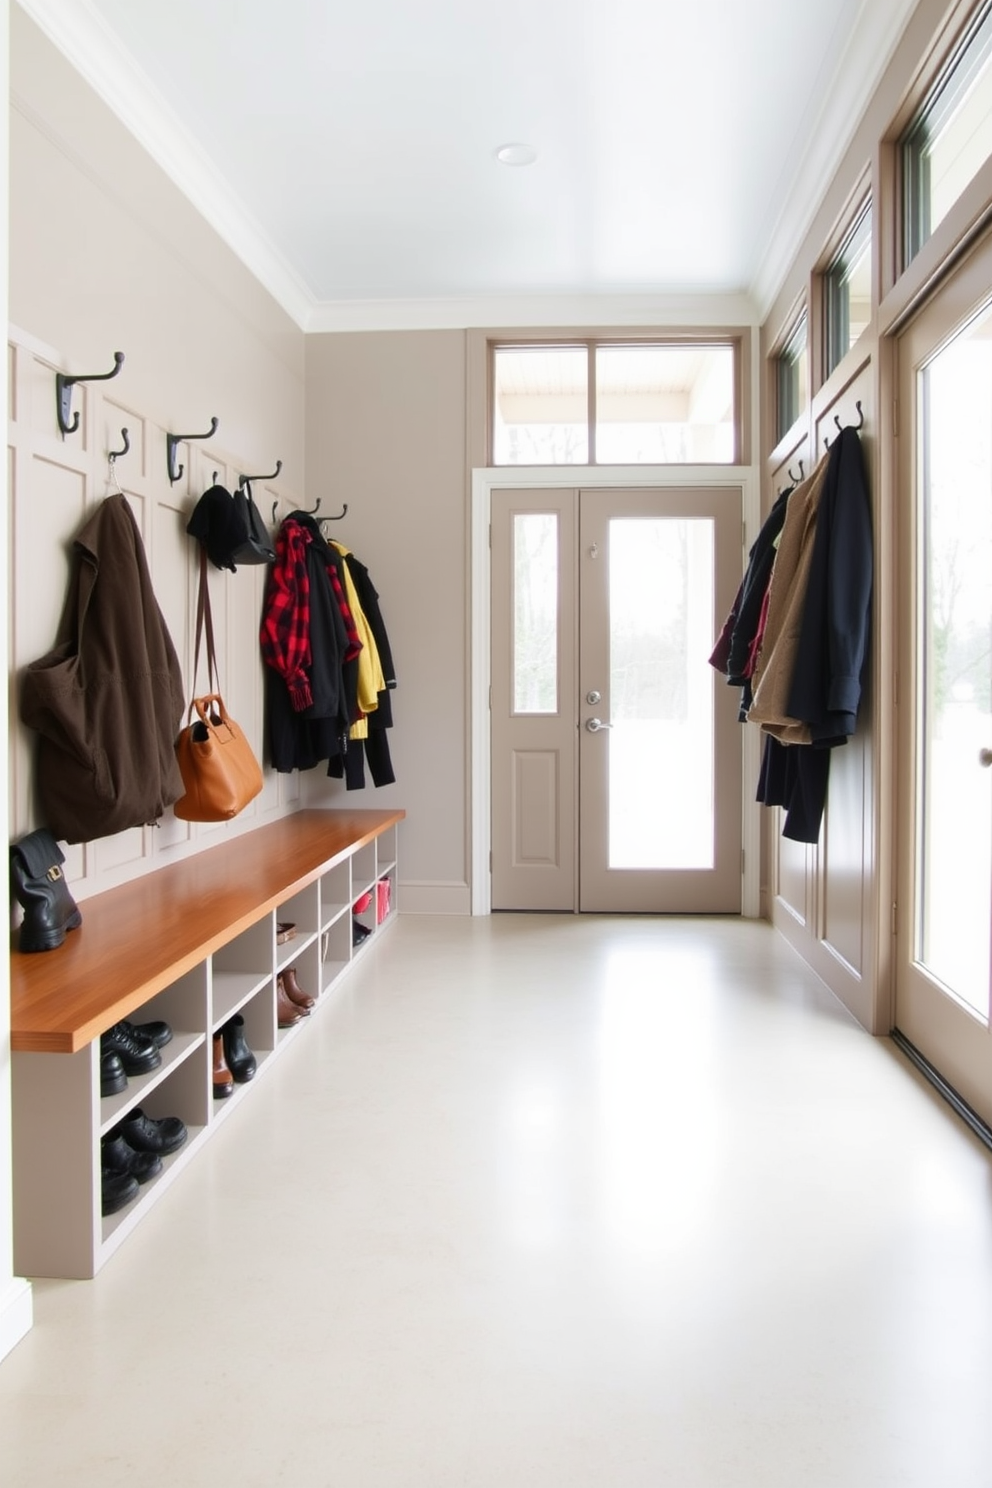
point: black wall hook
(859, 425)
(800, 477)
(246, 480)
(63, 392)
(172, 443)
(312, 512)
(113, 455)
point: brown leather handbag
(220, 772)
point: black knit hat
(219, 525)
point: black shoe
(138, 1055)
(240, 1060)
(145, 1134)
(116, 1190)
(112, 1077)
(359, 932)
(159, 1032)
(117, 1157)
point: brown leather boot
(287, 1013)
(294, 991)
(223, 1079)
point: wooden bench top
(140, 937)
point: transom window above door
(615, 403)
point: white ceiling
(348, 152)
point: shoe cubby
(195, 966)
(385, 853)
(303, 911)
(240, 969)
(182, 1091)
(335, 894)
(261, 1036)
(335, 948)
(363, 871)
(183, 1005)
(306, 964)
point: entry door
(944, 899)
(616, 750)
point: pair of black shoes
(130, 1049)
(132, 1153)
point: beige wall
(386, 434)
(15, 1295)
(106, 255)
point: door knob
(593, 725)
(985, 758)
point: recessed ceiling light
(516, 154)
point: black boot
(240, 1060)
(40, 888)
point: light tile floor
(544, 1202)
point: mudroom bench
(193, 943)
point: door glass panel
(661, 812)
(535, 612)
(954, 791)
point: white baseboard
(434, 898)
(16, 1314)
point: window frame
(965, 59)
(736, 340)
(785, 360)
(835, 298)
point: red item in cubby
(382, 896)
(362, 903)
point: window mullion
(591, 391)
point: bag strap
(204, 621)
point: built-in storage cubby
(191, 945)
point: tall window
(598, 403)
(792, 379)
(847, 288)
(950, 137)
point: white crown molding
(533, 310)
(81, 34)
(870, 47)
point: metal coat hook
(63, 392)
(113, 456)
(172, 443)
(795, 479)
(312, 512)
(246, 480)
(859, 425)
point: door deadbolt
(594, 697)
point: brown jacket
(786, 600)
(108, 700)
